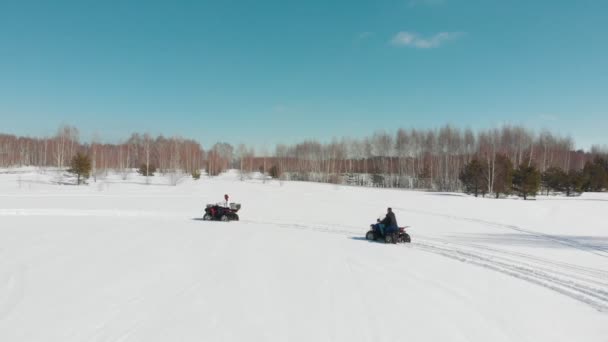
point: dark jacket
(389, 220)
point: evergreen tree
(554, 179)
(526, 181)
(146, 170)
(503, 175)
(275, 172)
(81, 166)
(596, 175)
(473, 178)
(574, 183)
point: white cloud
(413, 39)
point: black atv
(391, 235)
(218, 212)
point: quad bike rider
(388, 230)
(222, 211)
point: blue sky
(264, 72)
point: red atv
(218, 212)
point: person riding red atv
(222, 212)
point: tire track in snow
(548, 237)
(342, 230)
(588, 274)
(566, 284)
(12, 290)
(86, 213)
(132, 316)
(594, 297)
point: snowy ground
(122, 261)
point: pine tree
(574, 183)
(81, 166)
(275, 172)
(596, 175)
(473, 178)
(554, 179)
(526, 181)
(146, 170)
(503, 177)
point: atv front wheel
(370, 236)
(388, 238)
(207, 217)
(224, 218)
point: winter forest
(496, 161)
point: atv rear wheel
(370, 236)
(206, 217)
(407, 238)
(224, 218)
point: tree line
(527, 180)
(418, 159)
(162, 153)
(429, 159)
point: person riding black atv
(389, 235)
(388, 230)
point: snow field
(119, 260)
